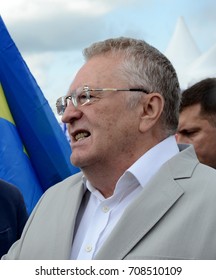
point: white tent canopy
(190, 64)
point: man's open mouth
(81, 135)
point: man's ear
(152, 109)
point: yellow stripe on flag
(4, 110)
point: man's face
(195, 129)
(107, 129)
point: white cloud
(34, 9)
(54, 24)
(60, 32)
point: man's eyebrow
(188, 129)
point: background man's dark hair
(203, 93)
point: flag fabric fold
(32, 128)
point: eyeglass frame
(63, 100)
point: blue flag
(28, 128)
(15, 166)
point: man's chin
(77, 161)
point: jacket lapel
(67, 219)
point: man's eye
(92, 97)
(82, 97)
(187, 133)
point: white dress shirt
(101, 214)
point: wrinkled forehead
(99, 71)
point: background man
(197, 120)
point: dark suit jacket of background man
(13, 215)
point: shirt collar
(148, 164)
(144, 168)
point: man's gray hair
(143, 66)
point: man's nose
(71, 113)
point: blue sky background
(51, 34)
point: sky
(51, 34)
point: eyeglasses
(85, 95)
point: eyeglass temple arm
(115, 89)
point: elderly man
(139, 195)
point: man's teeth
(81, 136)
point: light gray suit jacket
(173, 218)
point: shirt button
(105, 209)
(88, 248)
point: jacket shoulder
(67, 183)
